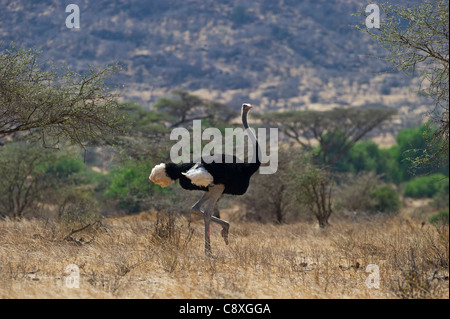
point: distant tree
(417, 39)
(336, 131)
(180, 109)
(30, 174)
(187, 107)
(54, 103)
(144, 133)
(313, 188)
(355, 191)
(20, 182)
(138, 119)
(367, 156)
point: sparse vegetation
(156, 256)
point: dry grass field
(151, 256)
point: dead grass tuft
(162, 256)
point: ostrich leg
(196, 210)
(196, 207)
(214, 194)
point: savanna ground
(152, 255)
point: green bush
(411, 144)
(386, 199)
(366, 192)
(394, 163)
(65, 167)
(441, 199)
(441, 217)
(129, 184)
(425, 186)
(367, 156)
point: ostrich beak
(247, 107)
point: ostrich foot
(225, 225)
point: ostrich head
(246, 107)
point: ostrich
(213, 177)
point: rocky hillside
(276, 54)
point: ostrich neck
(253, 138)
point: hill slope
(276, 54)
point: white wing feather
(199, 176)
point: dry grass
(147, 257)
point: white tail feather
(199, 176)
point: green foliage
(137, 119)
(33, 176)
(145, 134)
(129, 185)
(415, 146)
(441, 198)
(439, 218)
(410, 142)
(416, 37)
(65, 167)
(55, 103)
(387, 200)
(394, 163)
(425, 186)
(367, 156)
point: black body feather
(234, 176)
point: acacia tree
(187, 107)
(23, 181)
(54, 103)
(336, 130)
(417, 41)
